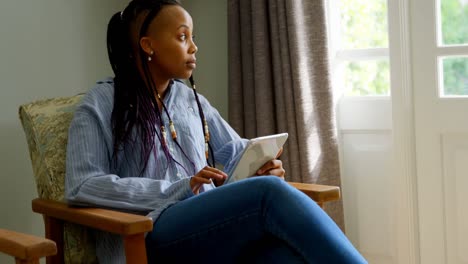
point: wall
(48, 48)
(210, 29)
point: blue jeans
(257, 220)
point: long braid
(204, 124)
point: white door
(440, 85)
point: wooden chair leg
(135, 249)
(54, 232)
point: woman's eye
(183, 37)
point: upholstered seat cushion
(46, 124)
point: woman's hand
(273, 167)
(206, 176)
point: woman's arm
(227, 144)
(89, 180)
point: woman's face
(170, 37)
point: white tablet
(257, 152)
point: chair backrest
(46, 124)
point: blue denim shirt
(92, 180)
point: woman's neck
(161, 87)
(160, 83)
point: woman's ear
(145, 45)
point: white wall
(48, 48)
(210, 29)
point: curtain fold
(279, 82)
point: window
(359, 47)
(452, 38)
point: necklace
(205, 127)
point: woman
(144, 142)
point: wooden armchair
(26, 249)
(46, 127)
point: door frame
(405, 180)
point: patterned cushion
(45, 124)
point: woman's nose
(193, 48)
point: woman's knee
(268, 183)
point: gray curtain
(279, 82)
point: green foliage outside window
(454, 19)
(455, 76)
(367, 77)
(364, 26)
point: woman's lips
(192, 64)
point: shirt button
(178, 174)
(171, 149)
(191, 109)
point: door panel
(441, 133)
(455, 168)
(367, 193)
(366, 148)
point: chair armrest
(25, 247)
(97, 218)
(318, 193)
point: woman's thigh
(219, 223)
(223, 223)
